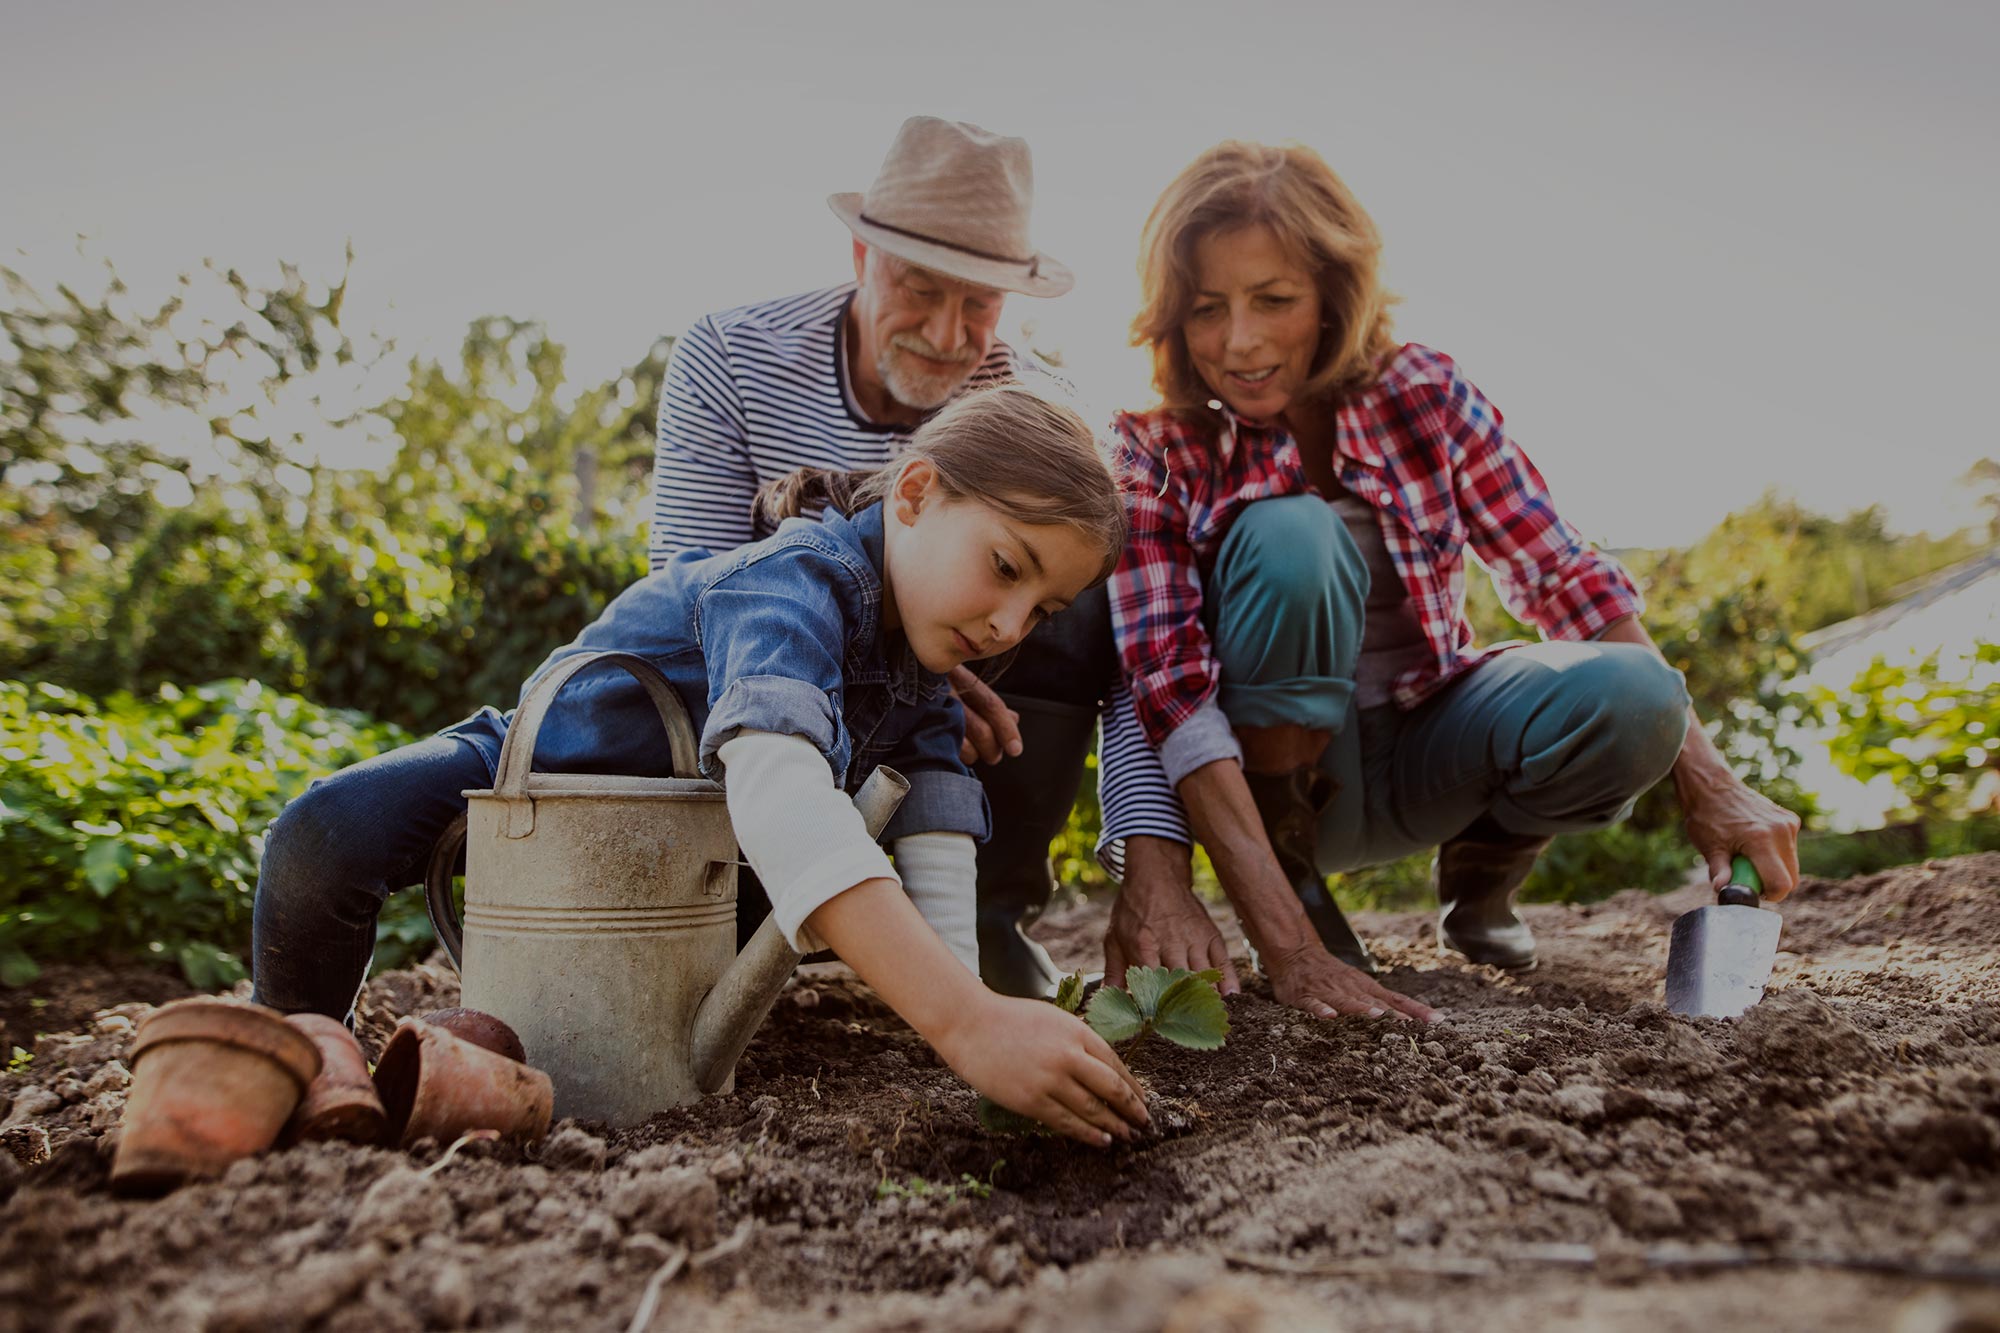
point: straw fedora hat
(954, 198)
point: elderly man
(839, 378)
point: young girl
(804, 661)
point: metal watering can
(600, 916)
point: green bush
(416, 627)
(132, 827)
(1932, 731)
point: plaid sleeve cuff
(1588, 597)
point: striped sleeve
(1137, 799)
(703, 478)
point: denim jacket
(782, 635)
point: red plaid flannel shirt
(1426, 449)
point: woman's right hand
(1312, 979)
(1038, 1061)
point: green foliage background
(197, 615)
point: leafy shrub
(1932, 730)
(132, 827)
(416, 627)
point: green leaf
(104, 865)
(1147, 984)
(1191, 1013)
(16, 968)
(1069, 993)
(1113, 1015)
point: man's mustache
(916, 342)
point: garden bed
(1559, 1153)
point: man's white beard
(913, 388)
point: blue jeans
(337, 852)
(1545, 738)
(335, 855)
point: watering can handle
(437, 891)
(517, 752)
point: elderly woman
(1290, 611)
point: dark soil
(64, 997)
(1559, 1153)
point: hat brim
(1042, 276)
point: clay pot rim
(250, 1027)
(400, 1074)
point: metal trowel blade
(1721, 959)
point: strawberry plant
(1183, 1007)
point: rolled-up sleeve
(943, 797)
(773, 634)
(1544, 570)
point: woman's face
(1255, 322)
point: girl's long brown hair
(1007, 447)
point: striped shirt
(756, 392)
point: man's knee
(1297, 551)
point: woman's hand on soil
(1312, 979)
(1729, 818)
(992, 729)
(1038, 1061)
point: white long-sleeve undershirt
(807, 843)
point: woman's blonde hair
(1319, 224)
(1012, 450)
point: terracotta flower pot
(436, 1084)
(481, 1029)
(342, 1102)
(212, 1081)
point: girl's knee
(323, 833)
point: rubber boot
(1030, 797)
(1476, 875)
(1290, 805)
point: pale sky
(1691, 250)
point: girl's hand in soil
(1040, 1062)
(1027, 1055)
(1312, 979)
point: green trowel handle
(1744, 888)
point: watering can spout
(733, 1011)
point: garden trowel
(1721, 956)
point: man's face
(919, 334)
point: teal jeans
(1546, 738)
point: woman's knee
(1649, 713)
(1294, 555)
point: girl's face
(964, 581)
(1255, 323)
